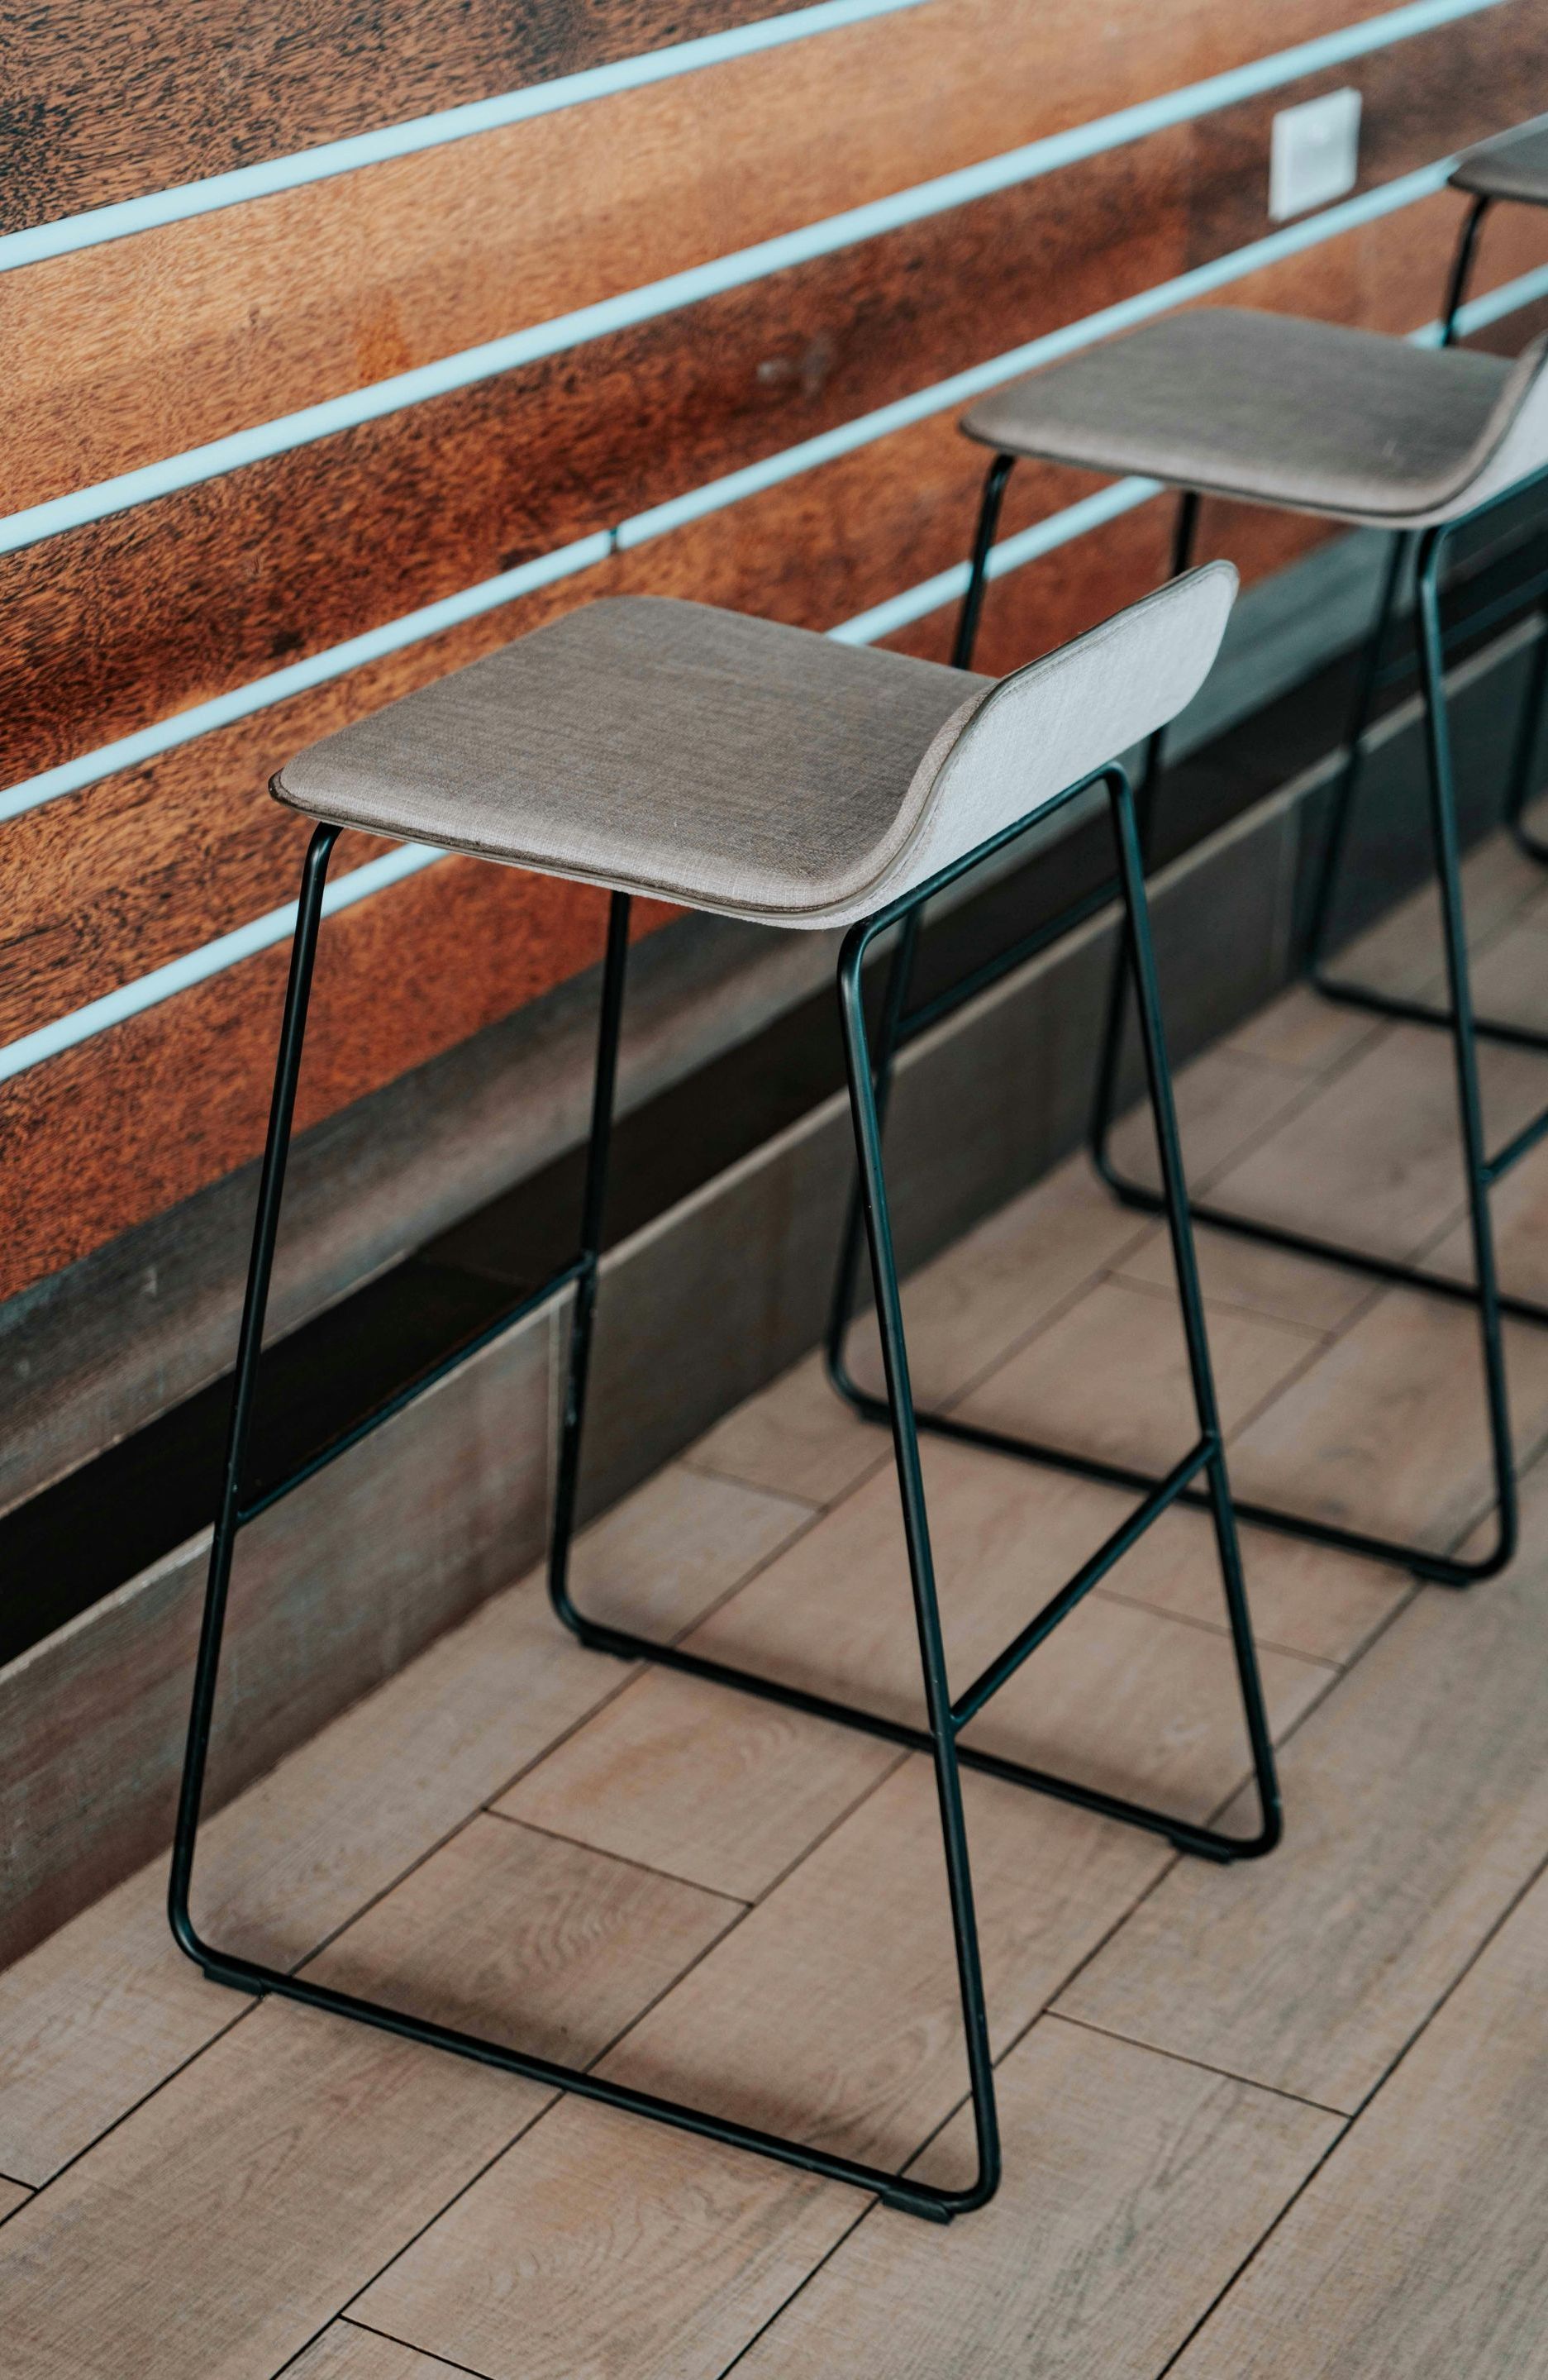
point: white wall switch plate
(1316, 155)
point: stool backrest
(1009, 752)
(1514, 441)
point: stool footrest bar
(1440, 1568)
(409, 1394)
(1041, 1625)
(1425, 1011)
(1181, 1832)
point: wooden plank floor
(1287, 2121)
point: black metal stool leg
(1529, 736)
(249, 1348)
(1335, 840)
(1482, 1169)
(1185, 1263)
(1110, 1054)
(583, 1315)
(942, 1721)
(989, 506)
(1177, 1485)
(252, 1976)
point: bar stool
(1513, 167)
(1344, 425)
(666, 748)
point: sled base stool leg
(867, 806)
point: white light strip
(297, 676)
(1044, 537)
(700, 281)
(388, 140)
(215, 958)
(318, 668)
(950, 586)
(965, 385)
(1011, 553)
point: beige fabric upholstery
(735, 765)
(1278, 410)
(1513, 166)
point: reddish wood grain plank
(100, 886)
(142, 615)
(107, 102)
(146, 613)
(97, 889)
(125, 1124)
(119, 355)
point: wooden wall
(125, 352)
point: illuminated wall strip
(215, 958)
(963, 387)
(884, 619)
(1011, 553)
(375, 147)
(317, 669)
(697, 283)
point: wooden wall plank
(119, 355)
(148, 612)
(134, 618)
(100, 886)
(109, 103)
(131, 1121)
(141, 615)
(144, 1114)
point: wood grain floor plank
(1265, 1281)
(1225, 1102)
(214, 2231)
(968, 1307)
(1417, 2251)
(1419, 1796)
(603, 2248)
(348, 2351)
(696, 1781)
(830, 2011)
(1110, 1377)
(238, 2208)
(13, 2194)
(106, 2009)
(794, 1435)
(1305, 1598)
(1126, 1699)
(1133, 2188)
(1387, 1431)
(550, 1946)
(1375, 1156)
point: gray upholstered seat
(1512, 165)
(737, 765)
(1280, 410)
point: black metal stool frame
(1371, 675)
(1483, 1168)
(946, 1716)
